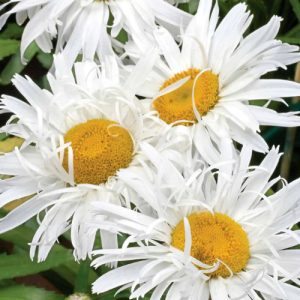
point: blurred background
(60, 276)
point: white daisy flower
(76, 138)
(212, 234)
(81, 25)
(209, 80)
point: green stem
(82, 280)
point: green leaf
(46, 59)
(294, 32)
(45, 83)
(269, 193)
(15, 65)
(6, 283)
(3, 136)
(184, 7)
(193, 6)
(290, 40)
(19, 236)
(296, 7)
(272, 132)
(259, 5)
(276, 7)
(225, 6)
(122, 37)
(18, 265)
(8, 47)
(22, 235)
(21, 292)
(12, 31)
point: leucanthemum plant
(212, 234)
(81, 25)
(206, 82)
(76, 139)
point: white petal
(204, 145)
(248, 137)
(227, 36)
(269, 117)
(256, 184)
(266, 89)
(235, 291)
(140, 73)
(58, 226)
(162, 274)
(74, 44)
(159, 291)
(116, 210)
(117, 277)
(246, 78)
(169, 13)
(109, 240)
(93, 28)
(175, 292)
(24, 212)
(217, 288)
(170, 50)
(10, 163)
(242, 114)
(17, 192)
(252, 46)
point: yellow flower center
(178, 105)
(215, 237)
(99, 151)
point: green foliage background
(60, 276)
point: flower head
(206, 83)
(75, 140)
(81, 25)
(211, 232)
